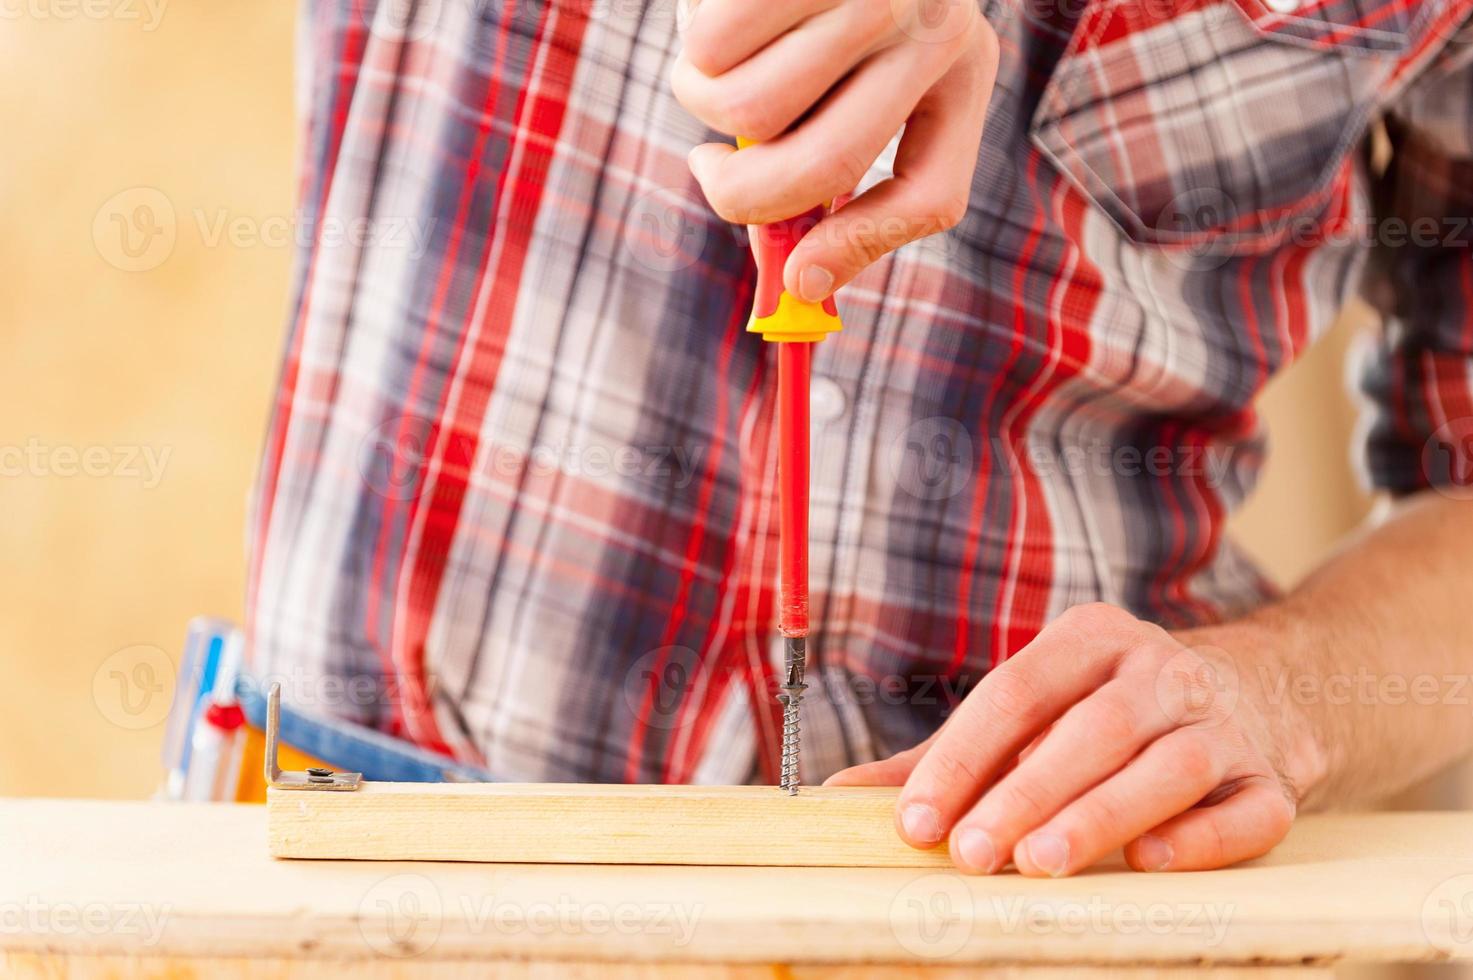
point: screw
(316, 774)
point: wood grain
(31, 966)
(587, 824)
(181, 882)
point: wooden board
(596, 824)
(180, 881)
(37, 966)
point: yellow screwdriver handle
(777, 314)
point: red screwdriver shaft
(793, 361)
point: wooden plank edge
(551, 823)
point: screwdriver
(795, 326)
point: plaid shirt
(518, 502)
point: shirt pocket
(1215, 124)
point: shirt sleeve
(1418, 372)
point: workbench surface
(93, 881)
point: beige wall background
(146, 184)
(162, 343)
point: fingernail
(922, 823)
(976, 850)
(1152, 853)
(815, 283)
(1048, 853)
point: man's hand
(1107, 732)
(824, 85)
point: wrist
(1267, 655)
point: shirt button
(1282, 6)
(826, 400)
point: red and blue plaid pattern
(518, 499)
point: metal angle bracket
(312, 779)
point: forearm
(1372, 655)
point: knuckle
(954, 769)
(702, 48)
(1013, 695)
(1152, 658)
(1112, 722)
(1096, 616)
(961, 19)
(871, 23)
(945, 26)
(1097, 814)
(850, 171)
(867, 244)
(683, 86)
(747, 112)
(984, 40)
(725, 203)
(1275, 798)
(1195, 692)
(956, 30)
(1195, 758)
(1153, 634)
(1279, 820)
(975, 64)
(1023, 801)
(838, 173)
